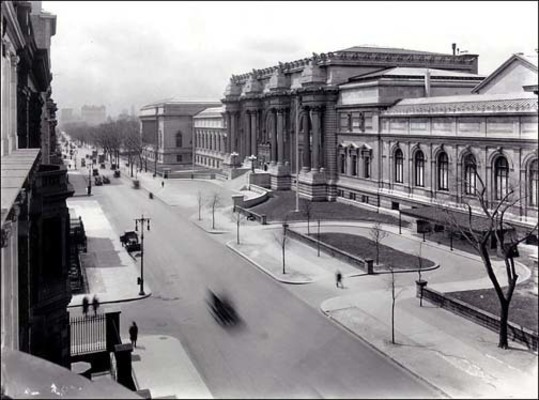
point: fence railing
(88, 334)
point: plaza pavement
(457, 356)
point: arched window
(533, 183)
(419, 169)
(179, 140)
(399, 166)
(501, 176)
(343, 163)
(470, 174)
(366, 165)
(443, 171)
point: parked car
(95, 172)
(106, 179)
(98, 181)
(130, 241)
(83, 162)
(117, 173)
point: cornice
(497, 107)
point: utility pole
(142, 220)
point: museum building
(388, 127)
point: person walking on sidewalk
(338, 279)
(133, 334)
(95, 304)
(163, 184)
(85, 305)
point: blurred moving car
(222, 310)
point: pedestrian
(338, 278)
(85, 305)
(162, 183)
(95, 304)
(133, 334)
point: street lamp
(142, 220)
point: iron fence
(88, 334)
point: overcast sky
(130, 53)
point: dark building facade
(35, 219)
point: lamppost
(142, 220)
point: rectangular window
(343, 122)
(354, 165)
(365, 199)
(343, 163)
(179, 158)
(352, 196)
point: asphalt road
(283, 347)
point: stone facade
(167, 133)
(210, 138)
(286, 115)
(35, 219)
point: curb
(385, 355)
(265, 270)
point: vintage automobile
(98, 181)
(95, 172)
(106, 179)
(117, 173)
(130, 241)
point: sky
(130, 53)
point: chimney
(427, 83)
(453, 46)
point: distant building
(67, 116)
(167, 132)
(210, 137)
(93, 115)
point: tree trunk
(284, 272)
(393, 320)
(238, 230)
(308, 226)
(504, 316)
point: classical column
(232, 141)
(306, 141)
(273, 137)
(228, 150)
(254, 131)
(280, 135)
(316, 137)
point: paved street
(284, 348)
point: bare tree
(237, 217)
(307, 208)
(282, 240)
(394, 294)
(214, 204)
(419, 269)
(377, 234)
(491, 225)
(200, 200)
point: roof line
(493, 74)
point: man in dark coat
(133, 334)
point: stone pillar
(247, 134)
(273, 137)
(280, 135)
(232, 140)
(306, 141)
(317, 135)
(254, 132)
(228, 125)
(122, 352)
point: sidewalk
(455, 355)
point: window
(533, 186)
(470, 171)
(343, 163)
(399, 166)
(443, 171)
(366, 166)
(354, 165)
(501, 175)
(365, 199)
(349, 122)
(179, 139)
(340, 193)
(419, 169)
(352, 196)
(179, 158)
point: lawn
(522, 311)
(283, 203)
(363, 247)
